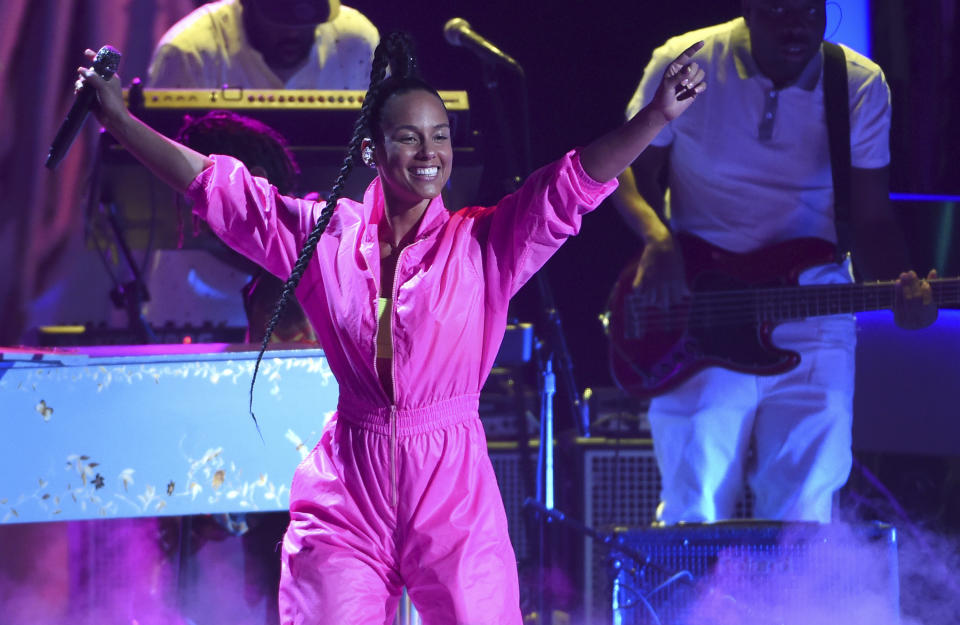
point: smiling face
(413, 153)
(784, 35)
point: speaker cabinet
(512, 479)
(756, 573)
(621, 488)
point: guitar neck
(788, 303)
(727, 288)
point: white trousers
(798, 426)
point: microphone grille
(453, 28)
(107, 61)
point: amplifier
(621, 488)
(616, 414)
(513, 483)
(756, 574)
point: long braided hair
(395, 52)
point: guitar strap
(836, 100)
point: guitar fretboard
(786, 303)
(777, 304)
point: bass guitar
(736, 302)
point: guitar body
(653, 350)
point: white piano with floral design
(100, 432)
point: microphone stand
(555, 339)
(622, 557)
(514, 168)
(132, 294)
(129, 295)
(611, 541)
(536, 537)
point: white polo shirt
(209, 48)
(750, 164)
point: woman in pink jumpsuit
(409, 302)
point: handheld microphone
(105, 65)
(457, 32)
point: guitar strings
(772, 304)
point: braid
(395, 51)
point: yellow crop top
(384, 338)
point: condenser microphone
(105, 65)
(457, 32)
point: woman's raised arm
(607, 156)
(175, 164)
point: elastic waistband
(410, 421)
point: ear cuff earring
(366, 155)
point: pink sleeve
(248, 214)
(529, 225)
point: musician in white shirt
(750, 167)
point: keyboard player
(266, 44)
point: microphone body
(457, 32)
(105, 65)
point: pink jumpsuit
(403, 494)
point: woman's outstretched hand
(682, 82)
(607, 156)
(175, 164)
(110, 108)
